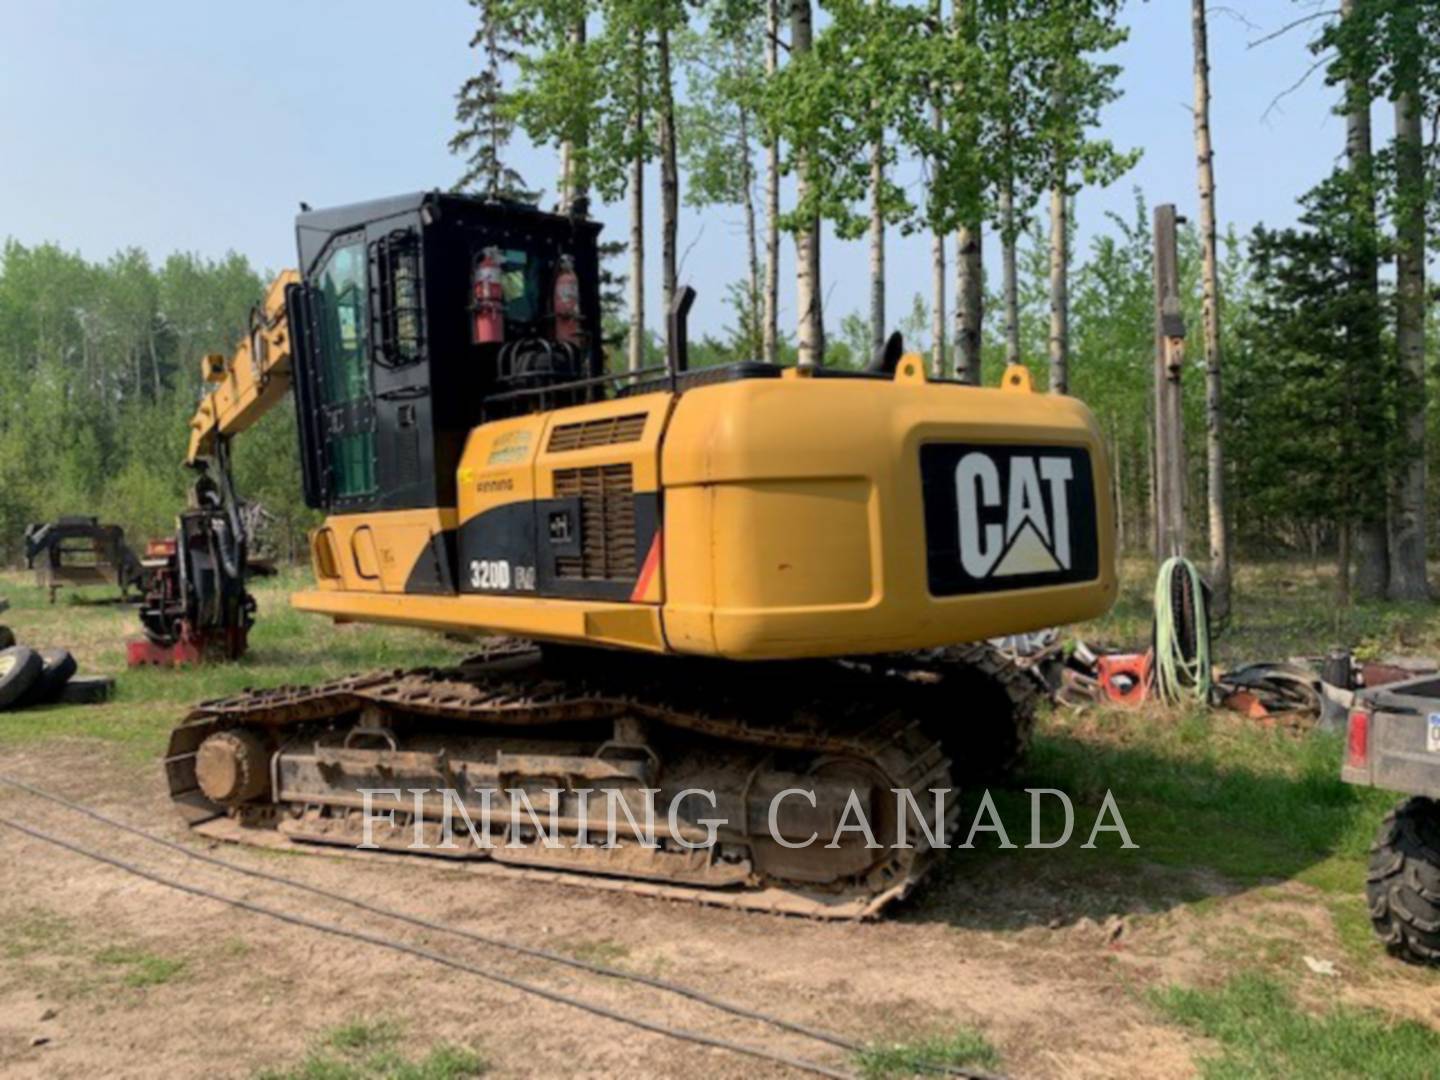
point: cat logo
(1000, 517)
(1034, 536)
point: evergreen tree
(483, 110)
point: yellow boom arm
(248, 383)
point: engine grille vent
(605, 432)
(607, 522)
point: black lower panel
(434, 571)
(542, 548)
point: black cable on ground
(442, 928)
(669, 1031)
(525, 950)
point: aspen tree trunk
(877, 250)
(669, 180)
(810, 350)
(969, 302)
(937, 243)
(1011, 283)
(637, 263)
(1214, 410)
(155, 367)
(1407, 516)
(1059, 289)
(877, 246)
(637, 225)
(937, 309)
(770, 325)
(752, 253)
(573, 184)
(1059, 257)
(1370, 540)
(969, 269)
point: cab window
(343, 322)
(520, 281)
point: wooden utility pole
(1169, 361)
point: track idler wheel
(233, 767)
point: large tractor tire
(20, 669)
(1403, 883)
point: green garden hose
(1182, 633)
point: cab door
(340, 322)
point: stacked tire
(33, 676)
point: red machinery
(196, 607)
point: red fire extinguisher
(567, 301)
(489, 304)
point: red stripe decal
(652, 563)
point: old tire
(1403, 882)
(59, 668)
(7, 637)
(20, 669)
(87, 690)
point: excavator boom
(195, 602)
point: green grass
(286, 646)
(1211, 798)
(1282, 608)
(141, 968)
(1262, 1032)
(955, 1048)
(369, 1050)
(35, 932)
(1212, 801)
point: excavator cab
(414, 313)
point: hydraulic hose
(1182, 633)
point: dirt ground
(1054, 962)
(254, 994)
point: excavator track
(881, 731)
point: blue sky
(176, 125)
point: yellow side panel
(689, 569)
(794, 543)
(498, 465)
(631, 626)
(795, 520)
(374, 552)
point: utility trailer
(1393, 742)
(79, 550)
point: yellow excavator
(744, 580)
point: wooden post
(1169, 361)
